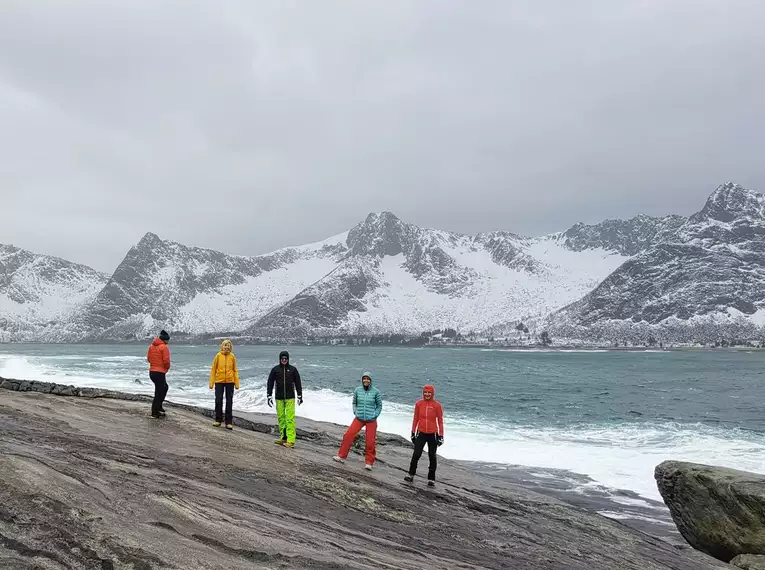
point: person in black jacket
(285, 378)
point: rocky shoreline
(90, 481)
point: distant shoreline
(500, 348)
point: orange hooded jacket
(158, 356)
(428, 414)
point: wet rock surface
(94, 482)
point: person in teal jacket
(367, 406)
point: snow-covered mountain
(165, 284)
(39, 290)
(713, 264)
(383, 275)
(388, 276)
(397, 277)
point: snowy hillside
(164, 284)
(38, 290)
(397, 277)
(712, 265)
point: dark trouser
(160, 391)
(220, 388)
(419, 445)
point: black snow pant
(220, 389)
(160, 391)
(419, 445)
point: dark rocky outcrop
(92, 482)
(718, 510)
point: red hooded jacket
(428, 414)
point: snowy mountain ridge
(388, 276)
(710, 269)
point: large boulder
(718, 510)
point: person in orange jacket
(427, 427)
(158, 357)
(224, 377)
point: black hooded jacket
(286, 379)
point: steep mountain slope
(161, 283)
(37, 291)
(397, 277)
(714, 263)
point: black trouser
(419, 445)
(220, 388)
(160, 391)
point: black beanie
(163, 335)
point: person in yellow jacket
(224, 377)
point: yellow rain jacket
(224, 370)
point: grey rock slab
(89, 482)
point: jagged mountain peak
(149, 239)
(730, 201)
(380, 234)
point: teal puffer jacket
(367, 404)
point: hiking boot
(280, 441)
(229, 426)
(408, 478)
(431, 483)
(338, 459)
(289, 444)
(162, 414)
(368, 467)
(216, 424)
(155, 416)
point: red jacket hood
(432, 390)
(157, 341)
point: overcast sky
(250, 125)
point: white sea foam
(616, 456)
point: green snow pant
(285, 413)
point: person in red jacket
(159, 363)
(427, 427)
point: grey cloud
(248, 126)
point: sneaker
(368, 467)
(280, 441)
(408, 478)
(229, 426)
(338, 459)
(162, 414)
(431, 483)
(155, 416)
(216, 424)
(289, 444)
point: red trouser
(350, 435)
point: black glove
(440, 440)
(270, 402)
(300, 400)
(414, 437)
